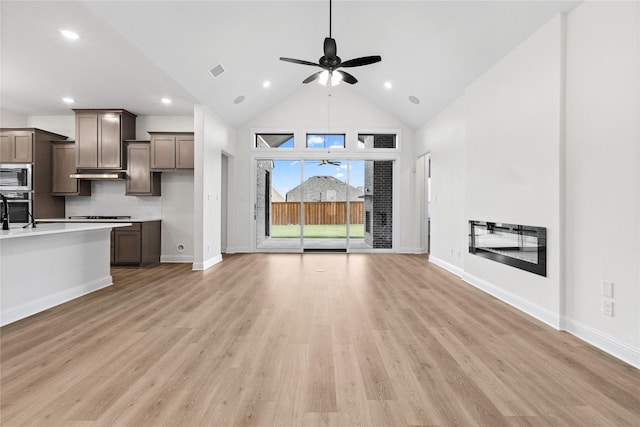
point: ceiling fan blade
(347, 78)
(299, 61)
(358, 62)
(312, 77)
(330, 49)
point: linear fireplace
(520, 246)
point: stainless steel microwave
(15, 177)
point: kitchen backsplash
(107, 198)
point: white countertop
(57, 228)
(95, 221)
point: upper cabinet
(171, 150)
(99, 137)
(16, 146)
(140, 180)
(63, 163)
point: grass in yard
(328, 231)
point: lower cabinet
(138, 244)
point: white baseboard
(30, 308)
(534, 310)
(446, 265)
(176, 258)
(410, 251)
(207, 263)
(238, 250)
(604, 342)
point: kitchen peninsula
(46, 266)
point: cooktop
(101, 217)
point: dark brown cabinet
(138, 244)
(99, 137)
(63, 162)
(140, 180)
(16, 147)
(31, 145)
(172, 150)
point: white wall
(213, 137)
(175, 206)
(554, 127)
(11, 119)
(444, 138)
(311, 109)
(512, 160)
(603, 172)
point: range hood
(100, 176)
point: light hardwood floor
(313, 339)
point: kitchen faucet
(5, 212)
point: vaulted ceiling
(132, 54)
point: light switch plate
(607, 289)
(607, 308)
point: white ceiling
(131, 54)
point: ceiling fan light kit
(330, 62)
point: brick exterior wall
(379, 206)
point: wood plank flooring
(303, 340)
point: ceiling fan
(330, 62)
(329, 162)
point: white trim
(410, 251)
(236, 250)
(176, 258)
(30, 308)
(446, 265)
(199, 266)
(537, 311)
(604, 342)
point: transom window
(325, 140)
(274, 140)
(369, 141)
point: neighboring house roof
(276, 196)
(324, 189)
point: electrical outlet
(607, 307)
(607, 289)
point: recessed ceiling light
(388, 85)
(414, 100)
(166, 101)
(266, 84)
(239, 99)
(71, 35)
(68, 100)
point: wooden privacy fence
(283, 213)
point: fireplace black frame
(522, 232)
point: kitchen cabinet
(63, 163)
(99, 138)
(32, 145)
(172, 150)
(140, 180)
(16, 147)
(138, 244)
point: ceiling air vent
(216, 71)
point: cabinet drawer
(136, 226)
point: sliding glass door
(323, 205)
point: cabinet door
(64, 164)
(138, 173)
(184, 152)
(6, 141)
(23, 147)
(87, 140)
(127, 247)
(163, 152)
(109, 147)
(16, 147)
